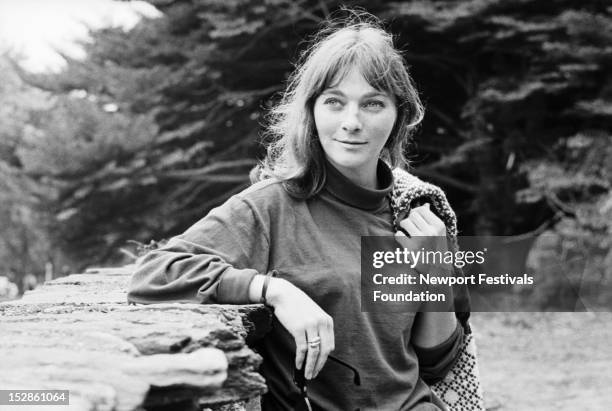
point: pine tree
(166, 117)
(24, 240)
(533, 87)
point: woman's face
(353, 122)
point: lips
(356, 143)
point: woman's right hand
(305, 321)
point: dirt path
(545, 361)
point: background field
(545, 361)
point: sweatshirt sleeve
(213, 261)
(436, 362)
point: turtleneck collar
(358, 196)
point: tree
(24, 245)
(533, 129)
(168, 114)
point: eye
(376, 104)
(332, 101)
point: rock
(78, 333)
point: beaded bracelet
(264, 289)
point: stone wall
(78, 333)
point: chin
(347, 162)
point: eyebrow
(337, 92)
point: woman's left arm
(433, 329)
(436, 353)
(436, 336)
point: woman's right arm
(302, 317)
(213, 261)
(221, 259)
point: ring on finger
(315, 342)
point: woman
(345, 117)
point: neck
(355, 193)
(363, 177)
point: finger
(429, 216)
(313, 353)
(300, 349)
(419, 221)
(408, 225)
(326, 332)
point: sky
(35, 29)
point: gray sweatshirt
(314, 244)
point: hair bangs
(372, 62)
(376, 70)
(328, 69)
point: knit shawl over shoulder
(408, 188)
(410, 191)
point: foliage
(24, 242)
(533, 130)
(160, 124)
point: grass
(545, 361)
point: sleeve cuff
(234, 285)
(436, 362)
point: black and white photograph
(305, 205)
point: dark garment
(314, 244)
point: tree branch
(449, 181)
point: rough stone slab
(136, 330)
(112, 381)
(81, 288)
(78, 332)
(153, 329)
(124, 270)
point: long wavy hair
(294, 153)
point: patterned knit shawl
(409, 192)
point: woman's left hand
(426, 231)
(422, 222)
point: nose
(351, 122)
